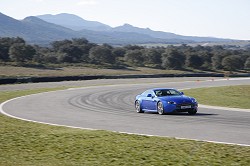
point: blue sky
(214, 18)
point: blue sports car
(165, 101)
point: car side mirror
(149, 95)
(182, 93)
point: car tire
(138, 107)
(192, 112)
(160, 108)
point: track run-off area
(111, 107)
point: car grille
(185, 104)
(178, 106)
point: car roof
(161, 89)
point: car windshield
(167, 92)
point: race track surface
(111, 107)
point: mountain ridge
(125, 28)
(73, 22)
(38, 31)
(165, 35)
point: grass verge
(6, 95)
(12, 71)
(226, 96)
(27, 143)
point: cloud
(87, 2)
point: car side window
(158, 93)
(145, 94)
(174, 92)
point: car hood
(177, 99)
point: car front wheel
(138, 107)
(160, 108)
(192, 112)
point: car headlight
(171, 102)
(194, 100)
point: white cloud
(87, 2)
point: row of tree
(80, 50)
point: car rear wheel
(138, 107)
(160, 109)
(192, 112)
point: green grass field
(26, 143)
(228, 96)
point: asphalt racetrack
(111, 107)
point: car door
(150, 101)
(144, 101)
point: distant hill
(124, 38)
(38, 31)
(77, 23)
(74, 22)
(33, 29)
(165, 35)
(8, 26)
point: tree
(206, 58)
(85, 52)
(4, 52)
(232, 62)
(119, 52)
(79, 41)
(50, 58)
(63, 57)
(101, 54)
(21, 52)
(172, 59)
(247, 64)
(134, 57)
(56, 45)
(72, 54)
(5, 44)
(194, 61)
(152, 56)
(216, 61)
(133, 47)
(72, 51)
(107, 46)
(83, 45)
(18, 40)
